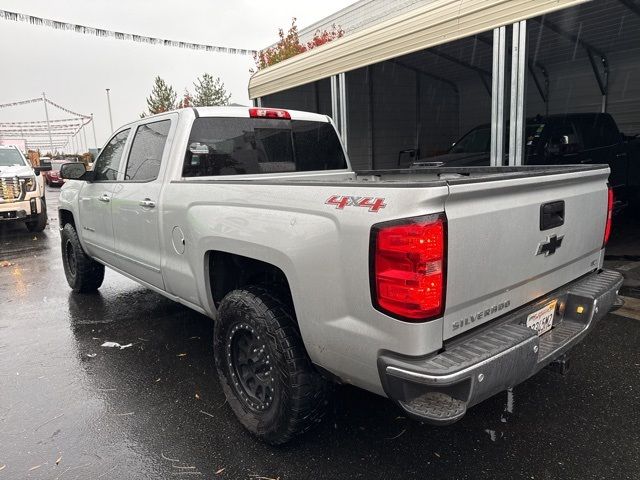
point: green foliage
(210, 92)
(162, 98)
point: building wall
(394, 113)
(312, 97)
(439, 117)
(475, 104)
(573, 89)
(405, 104)
(298, 98)
(412, 110)
(358, 120)
(324, 96)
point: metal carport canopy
(438, 22)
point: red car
(53, 177)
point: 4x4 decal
(341, 201)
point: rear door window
(237, 146)
(107, 164)
(146, 152)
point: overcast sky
(75, 69)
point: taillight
(269, 113)
(607, 228)
(408, 267)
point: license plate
(542, 320)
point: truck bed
(408, 177)
(493, 217)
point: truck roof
(12, 147)
(243, 112)
(239, 112)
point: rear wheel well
(228, 271)
(64, 217)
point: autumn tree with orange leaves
(289, 45)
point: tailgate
(499, 258)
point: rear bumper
(439, 388)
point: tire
(84, 274)
(275, 391)
(40, 223)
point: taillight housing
(274, 113)
(607, 227)
(408, 267)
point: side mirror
(43, 167)
(73, 171)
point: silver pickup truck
(436, 287)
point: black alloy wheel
(251, 367)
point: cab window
(146, 151)
(107, 164)
(236, 146)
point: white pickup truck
(437, 287)
(22, 192)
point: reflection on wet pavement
(73, 409)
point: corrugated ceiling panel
(439, 22)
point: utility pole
(46, 114)
(109, 104)
(93, 125)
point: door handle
(147, 202)
(104, 198)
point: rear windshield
(236, 146)
(9, 157)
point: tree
(210, 92)
(289, 45)
(162, 98)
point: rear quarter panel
(323, 251)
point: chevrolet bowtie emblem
(550, 245)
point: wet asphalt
(71, 409)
